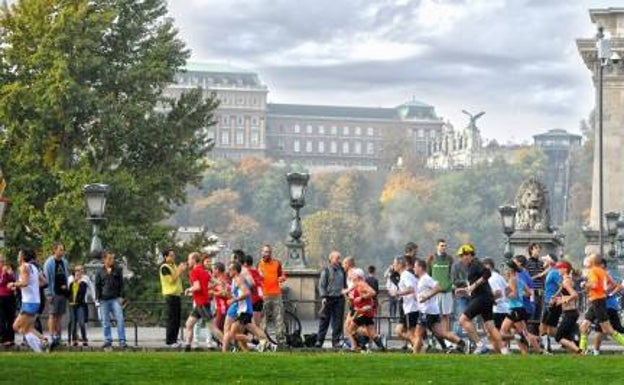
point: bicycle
(292, 325)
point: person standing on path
(272, 279)
(56, 272)
(331, 283)
(171, 283)
(109, 294)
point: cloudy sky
(514, 59)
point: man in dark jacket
(108, 294)
(331, 284)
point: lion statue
(532, 204)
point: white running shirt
(30, 293)
(497, 282)
(408, 281)
(426, 285)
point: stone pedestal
(302, 287)
(550, 243)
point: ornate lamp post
(612, 219)
(297, 186)
(508, 220)
(620, 239)
(95, 198)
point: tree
(81, 101)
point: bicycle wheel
(292, 325)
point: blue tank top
(517, 301)
(244, 305)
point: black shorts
(363, 320)
(551, 316)
(498, 319)
(517, 314)
(258, 306)
(567, 327)
(428, 321)
(480, 306)
(243, 318)
(410, 320)
(202, 312)
(614, 320)
(597, 311)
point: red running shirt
(201, 297)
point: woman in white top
(29, 282)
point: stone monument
(612, 20)
(533, 220)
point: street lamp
(508, 220)
(620, 238)
(95, 198)
(297, 186)
(612, 219)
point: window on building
(240, 121)
(432, 134)
(321, 130)
(226, 120)
(334, 130)
(333, 147)
(358, 131)
(370, 131)
(321, 147)
(358, 148)
(296, 145)
(255, 121)
(308, 146)
(254, 138)
(296, 129)
(370, 148)
(225, 138)
(345, 130)
(421, 133)
(240, 101)
(240, 138)
(309, 129)
(345, 147)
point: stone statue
(532, 203)
(473, 119)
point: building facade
(240, 129)
(457, 149)
(337, 137)
(558, 146)
(310, 135)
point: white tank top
(30, 293)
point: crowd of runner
(534, 302)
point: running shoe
(187, 348)
(481, 350)
(107, 346)
(45, 345)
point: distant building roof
(421, 111)
(556, 133)
(216, 68)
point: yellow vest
(170, 287)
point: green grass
(331, 368)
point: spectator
(80, 290)
(373, 282)
(171, 283)
(272, 278)
(56, 272)
(7, 303)
(109, 293)
(439, 268)
(392, 280)
(331, 284)
(537, 272)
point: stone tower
(612, 19)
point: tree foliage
(81, 101)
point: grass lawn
(292, 368)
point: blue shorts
(29, 308)
(232, 311)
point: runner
(517, 316)
(499, 286)
(481, 301)
(364, 311)
(406, 292)
(256, 289)
(201, 291)
(427, 290)
(221, 293)
(29, 281)
(552, 311)
(613, 308)
(597, 283)
(567, 298)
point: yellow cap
(466, 249)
